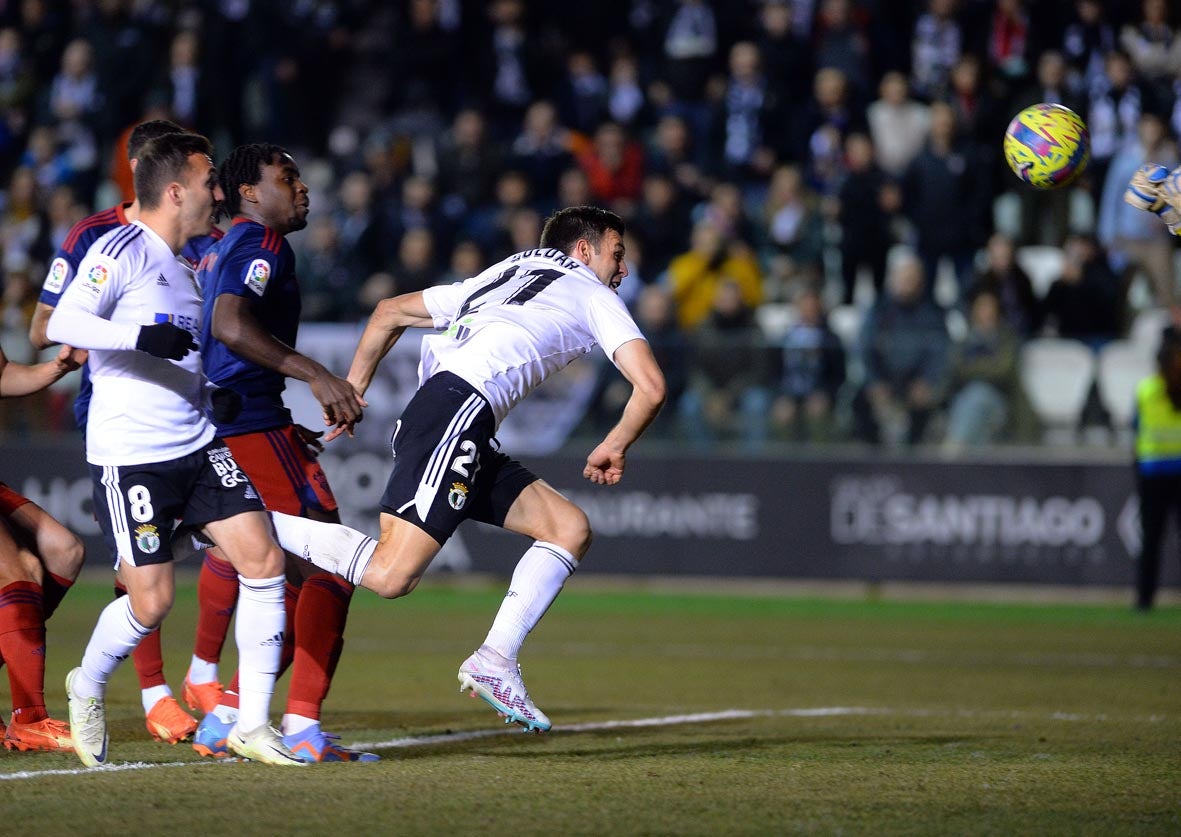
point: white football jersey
(508, 329)
(144, 408)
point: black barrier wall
(1047, 523)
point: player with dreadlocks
(251, 317)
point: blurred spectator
(898, 124)
(1088, 38)
(20, 220)
(670, 152)
(750, 119)
(467, 260)
(625, 96)
(614, 167)
(327, 283)
(415, 268)
(183, 88)
(1003, 278)
(813, 373)
(1084, 303)
(124, 52)
(661, 220)
(490, 226)
(583, 97)
(830, 118)
(508, 70)
(904, 348)
(1114, 112)
(946, 201)
(726, 210)
(469, 163)
(417, 208)
(1136, 239)
(422, 62)
(983, 381)
(842, 42)
(1154, 47)
(793, 231)
(786, 55)
(1008, 40)
(362, 239)
(867, 200)
(935, 48)
(574, 188)
(17, 86)
(695, 276)
(541, 151)
(727, 396)
(690, 44)
(524, 231)
(976, 114)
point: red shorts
(10, 501)
(284, 471)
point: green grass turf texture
(982, 719)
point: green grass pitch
(674, 713)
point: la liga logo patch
(98, 275)
(55, 280)
(257, 276)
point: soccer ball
(1047, 145)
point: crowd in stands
(802, 158)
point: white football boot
(502, 688)
(88, 724)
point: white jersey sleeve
(80, 318)
(611, 323)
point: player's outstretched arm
(17, 379)
(234, 325)
(1153, 188)
(605, 464)
(38, 326)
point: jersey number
(139, 501)
(470, 456)
(539, 280)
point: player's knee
(151, 606)
(391, 584)
(574, 532)
(64, 554)
(268, 563)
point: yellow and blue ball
(1047, 145)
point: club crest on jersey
(147, 538)
(55, 280)
(457, 496)
(257, 276)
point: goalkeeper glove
(165, 340)
(1154, 188)
(225, 405)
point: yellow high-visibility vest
(1158, 428)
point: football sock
(258, 632)
(148, 656)
(298, 723)
(151, 696)
(22, 646)
(114, 638)
(55, 588)
(217, 594)
(537, 580)
(202, 671)
(330, 546)
(320, 616)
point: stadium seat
(1042, 263)
(1057, 376)
(1122, 365)
(775, 318)
(1147, 327)
(845, 321)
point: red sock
(148, 656)
(55, 589)
(22, 644)
(217, 595)
(320, 618)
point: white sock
(297, 723)
(537, 580)
(330, 546)
(258, 631)
(152, 695)
(114, 638)
(226, 714)
(202, 671)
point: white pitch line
(594, 726)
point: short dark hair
(162, 161)
(563, 229)
(149, 130)
(243, 166)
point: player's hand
(1143, 190)
(1170, 192)
(342, 404)
(165, 340)
(604, 465)
(225, 405)
(68, 358)
(310, 439)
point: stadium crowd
(823, 237)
